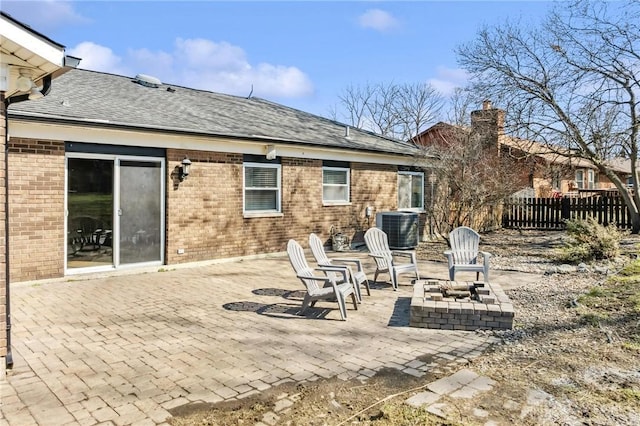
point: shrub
(588, 240)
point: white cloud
(447, 79)
(98, 58)
(201, 53)
(44, 16)
(201, 64)
(378, 20)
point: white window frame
(277, 189)
(580, 182)
(591, 180)
(412, 209)
(347, 171)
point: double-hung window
(591, 179)
(410, 190)
(580, 179)
(335, 185)
(262, 188)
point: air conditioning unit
(401, 228)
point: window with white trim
(335, 184)
(410, 191)
(591, 180)
(580, 179)
(262, 188)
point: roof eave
(35, 117)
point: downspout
(46, 88)
(9, 356)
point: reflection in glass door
(140, 212)
(89, 213)
(115, 211)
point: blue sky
(301, 54)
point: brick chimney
(488, 124)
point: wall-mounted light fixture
(368, 211)
(35, 94)
(184, 169)
(270, 152)
(24, 82)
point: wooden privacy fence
(551, 213)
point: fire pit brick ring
(452, 305)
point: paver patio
(126, 349)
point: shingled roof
(84, 97)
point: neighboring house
(556, 175)
(29, 62)
(623, 169)
(548, 173)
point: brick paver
(128, 348)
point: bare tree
(461, 103)
(573, 83)
(471, 180)
(355, 102)
(417, 105)
(399, 111)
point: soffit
(23, 48)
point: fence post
(565, 209)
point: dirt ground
(584, 357)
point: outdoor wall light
(184, 169)
(35, 94)
(270, 152)
(24, 82)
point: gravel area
(579, 372)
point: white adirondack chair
(320, 287)
(464, 253)
(358, 277)
(388, 260)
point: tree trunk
(632, 207)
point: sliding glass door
(115, 211)
(140, 212)
(89, 213)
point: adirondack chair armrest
(357, 262)
(403, 253)
(485, 255)
(340, 269)
(449, 255)
(322, 278)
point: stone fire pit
(455, 305)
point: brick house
(547, 173)
(98, 177)
(108, 172)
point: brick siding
(204, 212)
(207, 222)
(36, 209)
